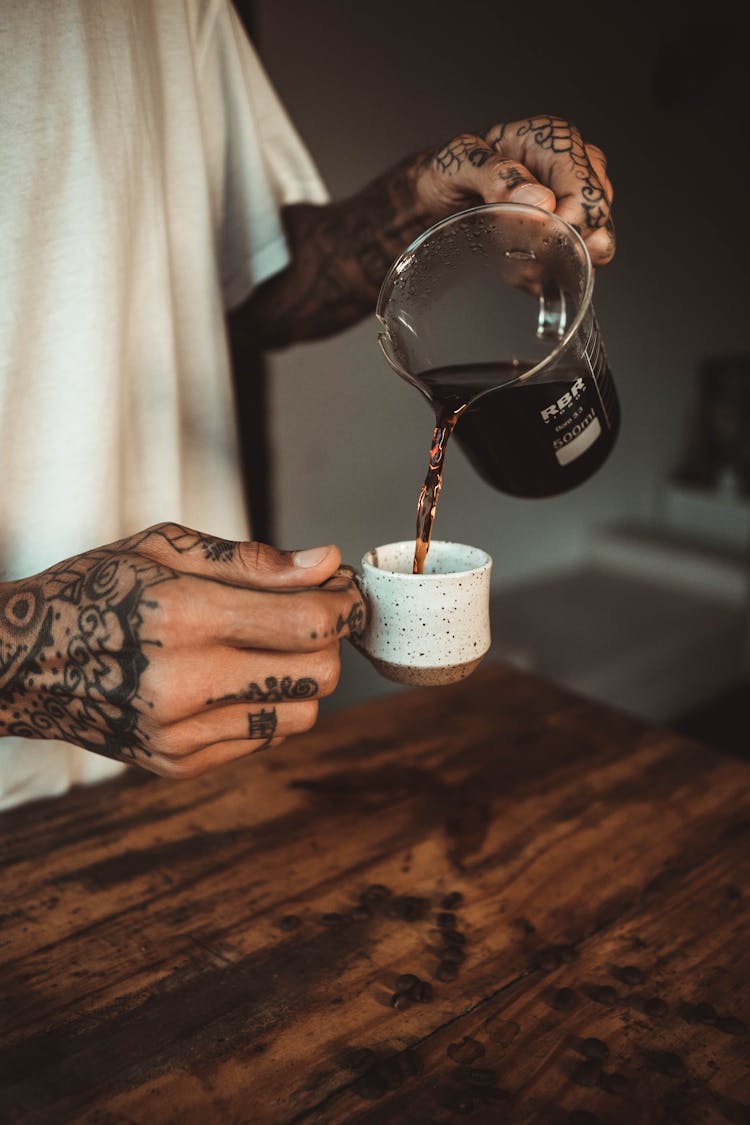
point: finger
(259, 722)
(256, 565)
(209, 758)
(553, 150)
(191, 682)
(598, 162)
(472, 165)
(290, 621)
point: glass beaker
(490, 311)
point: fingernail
(311, 557)
(531, 193)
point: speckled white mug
(431, 628)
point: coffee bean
(406, 981)
(615, 1083)
(463, 1102)
(466, 1051)
(421, 992)
(454, 953)
(359, 1058)
(451, 901)
(454, 937)
(392, 1072)
(370, 1086)
(400, 1000)
(332, 919)
(446, 920)
(704, 1012)
(546, 959)
(604, 994)
(446, 971)
(411, 1064)
(583, 1117)
(492, 1094)
(481, 1076)
(377, 891)
(667, 1062)
(587, 1073)
(656, 1007)
(565, 1000)
(730, 1025)
(631, 974)
(290, 922)
(408, 908)
(594, 1048)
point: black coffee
(531, 440)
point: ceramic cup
(431, 628)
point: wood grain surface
(148, 973)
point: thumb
(251, 564)
(267, 568)
(497, 179)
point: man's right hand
(174, 650)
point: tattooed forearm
(340, 255)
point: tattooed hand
(174, 650)
(542, 160)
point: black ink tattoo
(558, 136)
(262, 724)
(275, 691)
(354, 620)
(74, 643)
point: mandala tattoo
(75, 641)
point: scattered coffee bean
(370, 1086)
(730, 1025)
(446, 971)
(377, 891)
(667, 1062)
(594, 1048)
(587, 1073)
(332, 919)
(615, 1083)
(565, 1000)
(631, 974)
(466, 1051)
(359, 1058)
(454, 937)
(492, 1093)
(704, 1012)
(481, 1076)
(400, 1000)
(454, 953)
(290, 922)
(451, 901)
(566, 953)
(446, 920)
(604, 994)
(583, 1117)
(656, 1007)
(421, 992)
(392, 1072)
(408, 907)
(411, 1064)
(546, 959)
(406, 981)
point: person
(151, 183)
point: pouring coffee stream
(489, 315)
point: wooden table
(147, 975)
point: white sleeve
(257, 162)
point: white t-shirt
(144, 159)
